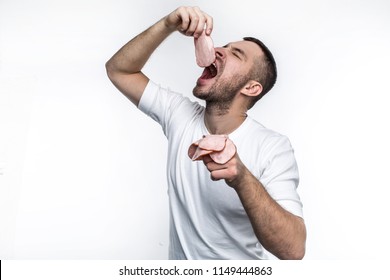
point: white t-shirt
(207, 219)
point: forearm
(132, 57)
(279, 231)
(124, 68)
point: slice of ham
(220, 148)
(199, 153)
(213, 142)
(226, 154)
(204, 50)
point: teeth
(214, 69)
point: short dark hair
(264, 70)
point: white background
(82, 171)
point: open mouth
(209, 72)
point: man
(249, 206)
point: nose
(220, 52)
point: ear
(252, 88)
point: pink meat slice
(226, 154)
(193, 148)
(204, 50)
(220, 148)
(200, 153)
(213, 142)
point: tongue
(204, 50)
(207, 74)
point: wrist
(168, 26)
(242, 181)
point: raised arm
(124, 68)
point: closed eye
(236, 54)
(239, 53)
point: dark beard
(221, 95)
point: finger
(206, 22)
(185, 20)
(209, 24)
(219, 174)
(195, 20)
(201, 23)
(211, 166)
(206, 159)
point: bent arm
(124, 68)
(279, 231)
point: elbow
(298, 254)
(112, 72)
(109, 69)
(297, 246)
(299, 250)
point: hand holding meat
(220, 156)
(190, 21)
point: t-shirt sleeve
(281, 176)
(170, 109)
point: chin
(203, 88)
(199, 93)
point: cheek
(234, 70)
(233, 75)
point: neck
(223, 121)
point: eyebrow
(235, 49)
